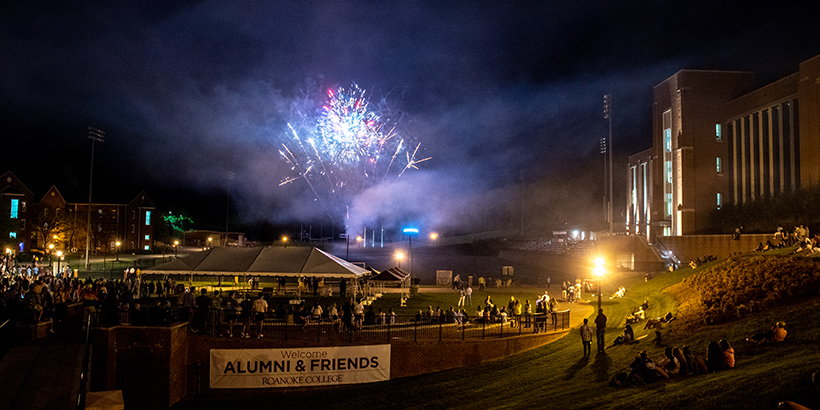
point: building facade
(718, 140)
(639, 207)
(34, 225)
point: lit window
(719, 200)
(147, 217)
(147, 237)
(14, 204)
(147, 248)
(719, 165)
(12, 234)
(99, 211)
(23, 206)
(718, 136)
(667, 130)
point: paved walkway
(44, 374)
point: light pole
(117, 247)
(176, 249)
(94, 135)
(284, 241)
(50, 249)
(59, 259)
(410, 232)
(599, 270)
(209, 242)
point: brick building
(717, 140)
(53, 220)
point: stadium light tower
(94, 135)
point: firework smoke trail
(347, 140)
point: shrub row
(743, 285)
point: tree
(47, 224)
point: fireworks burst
(349, 146)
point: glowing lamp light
(399, 255)
(433, 236)
(410, 231)
(600, 268)
(358, 239)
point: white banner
(314, 366)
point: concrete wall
(157, 366)
(691, 247)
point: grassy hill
(555, 376)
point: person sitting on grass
(669, 362)
(716, 361)
(683, 365)
(696, 364)
(728, 353)
(627, 337)
(644, 371)
(776, 334)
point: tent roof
(268, 261)
(391, 275)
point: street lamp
(209, 241)
(117, 247)
(410, 232)
(50, 249)
(399, 257)
(176, 249)
(285, 241)
(59, 258)
(599, 270)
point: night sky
(188, 92)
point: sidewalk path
(44, 374)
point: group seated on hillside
(619, 294)
(675, 363)
(700, 261)
(627, 338)
(767, 247)
(809, 246)
(777, 334)
(637, 315)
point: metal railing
(225, 323)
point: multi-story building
(54, 221)
(15, 201)
(716, 140)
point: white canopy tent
(289, 262)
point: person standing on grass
(586, 338)
(260, 306)
(600, 329)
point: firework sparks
(339, 151)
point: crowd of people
(677, 362)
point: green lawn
(555, 376)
